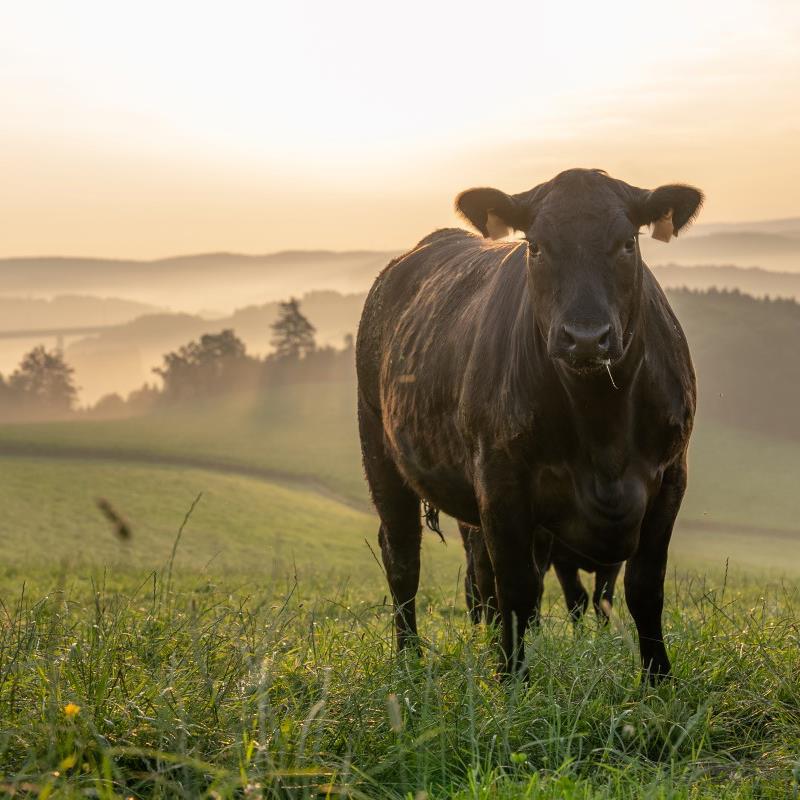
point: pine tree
(292, 333)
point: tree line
(217, 364)
(743, 348)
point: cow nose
(587, 342)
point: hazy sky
(154, 128)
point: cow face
(585, 268)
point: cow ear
(494, 213)
(669, 209)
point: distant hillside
(121, 358)
(745, 355)
(19, 314)
(784, 227)
(222, 282)
(216, 281)
(754, 281)
(740, 247)
(68, 311)
(744, 349)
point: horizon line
(329, 251)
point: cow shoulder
(499, 392)
(671, 378)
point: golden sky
(144, 129)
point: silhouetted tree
(142, 400)
(213, 365)
(43, 382)
(109, 406)
(292, 333)
(6, 396)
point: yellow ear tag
(496, 227)
(663, 229)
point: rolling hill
(743, 248)
(224, 281)
(217, 281)
(121, 358)
(304, 439)
(753, 280)
(68, 311)
(721, 327)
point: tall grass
(187, 688)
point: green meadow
(237, 641)
(741, 503)
(193, 681)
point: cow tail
(432, 519)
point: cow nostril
(588, 342)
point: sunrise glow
(156, 128)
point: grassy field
(302, 432)
(168, 684)
(741, 501)
(51, 522)
(247, 651)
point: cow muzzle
(584, 347)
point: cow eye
(630, 245)
(533, 248)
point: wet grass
(258, 661)
(170, 684)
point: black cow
(479, 582)
(540, 390)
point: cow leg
(576, 597)
(603, 598)
(646, 569)
(472, 594)
(484, 577)
(400, 553)
(508, 532)
(400, 533)
(543, 560)
(482, 580)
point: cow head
(584, 265)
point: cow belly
(599, 544)
(437, 474)
(447, 490)
(597, 523)
(560, 553)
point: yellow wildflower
(72, 710)
(68, 762)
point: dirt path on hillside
(278, 477)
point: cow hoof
(411, 647)
(508, 674)
(657, 676)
